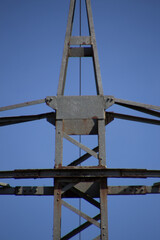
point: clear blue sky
(31, 44)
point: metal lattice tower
(81, 115)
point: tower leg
(57, 211)
(103, 209)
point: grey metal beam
(101, 142)
(62, 77)
(19, 105)
(83, 158)
(65, 173)
(145, 108)
(132, 118)
(59, 144)
(132, 103)
(5, 121)
(95, 52)
(80, 145)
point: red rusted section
(58, 166)
(82, 167)
(94, 117)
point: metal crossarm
(80, 172)
(6, 189)
(20, 105)
(145, 108)
(4, 121)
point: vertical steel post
(103, 209)
(103, 181)
(59, 144)
(57, 211)
(95, 52)
(62, 77)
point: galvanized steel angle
(68, 186)
(86, 197)
(86, 149)
(85, 216)
(145, 108)
(79, 229)
(94, 46)
(136, 104)
(83, 158)
(62, 77)
(25, 104)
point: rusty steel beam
(103, 209)
(49, 191)
(57, 210)
(134, 190)
(80, 172)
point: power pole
(81, 115)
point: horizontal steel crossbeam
(49, 191)
(81, 172)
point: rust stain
(58, 166)
(94, 117)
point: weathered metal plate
(80, 40)
(80, 107)
(81, 126)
